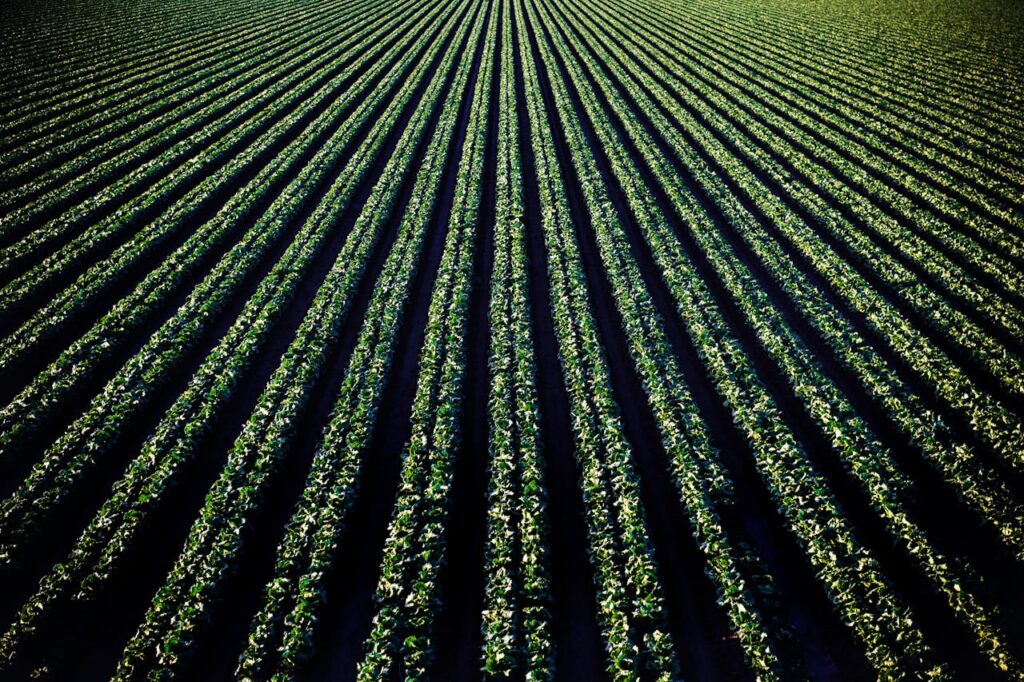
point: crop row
(781, 459)
(933, 83)
(878, 244)
(45, 163)
(88, 353)
(891, 157)
(46, 82)
(408, 594)
(753, 315)
(115, 197)
(806, 220)
(96, 432)
(964, 469)
(851, 95)
(630, 603)
(174, 443)
(280, 635)
(215, 542)
(120, 104)
(164, 227)
(935, 242)
(851, 438)
(703, 485)
(915, 111)
(992, 495)
(516, 614)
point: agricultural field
(512, 339)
